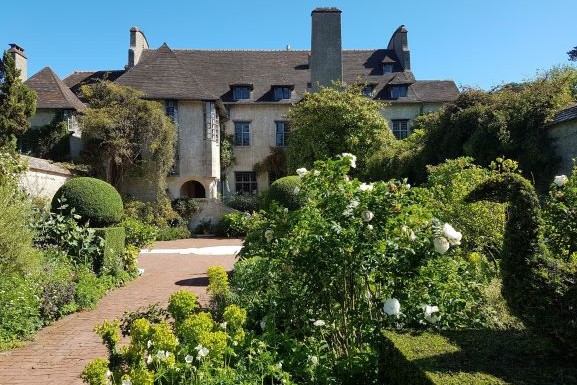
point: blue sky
(475, 43)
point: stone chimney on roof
(326, 62)
(138, 43)
(20, 60)
(399, 43)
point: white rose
(352, 159)
(453, 236)
(367, 215)
(392, 306)
(319, 323)
(429, 313)
(366, 187)
(302, 172)
(560, 180)
(441, 245)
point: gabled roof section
(569, 113)
(78, 78)
(52, 93)
(161, 75)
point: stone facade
(564, 137)
(42, 179)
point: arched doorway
(192, 189)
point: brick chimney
(326, 62)
(20, 60)
(399, 43)
(138, 43)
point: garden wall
(42, 179)
(209, 210)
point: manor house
(247, 93)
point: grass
(484, 357)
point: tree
(334, 120)
(573, 54)
(126, 135)
(17, 103)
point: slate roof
(568, 113)
(78, 78)
(165, 73)
(52, 92)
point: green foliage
(185, 207)
(227, 158)
(126, 135)
(572, 54)
(218, 289)
(110, 333)
(19, 308)
(111, 262)
(335, 120)
(94, 200)
(51, 141)
(274, 163)
(139, 234)
(95, 373)
(11, 167)
(286, 192)
(153, 313)
(89, 288)
(181, 304)
(57, 286)
(158, 213)
(172, 233)
(235, 224)
(17, 102)
(539, 287)
(243, 202)
(509, 120)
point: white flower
(441, 245)
(148, 359)
(314, 360)
(302, 172)
(407, 232)
(263, 324)
(429, 311)
(453, 236)
(350, 207)
(279, 365)
(336, 227)
(160, 354)
(268, 235)
(126, 382)
(366, 187)
(108, 373)
(370, 227)
(148, 344)
(560, 180)
(367, 215)
(188, 359)
(352, 159)
(319, 322)
(316, 173)
(392, 306)
(203, 353)
(297, 190)
(223, 325)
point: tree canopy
(126, 135)
(17, 102)
(573, 54)
(335, 120)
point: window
(242, 134)
(401, 128)
(399, 91)
(387, 68)
(282, 93)
(171, 108)
(241, 92)
(245, 182)
(368, 90)
(211, 122)
(282, 131)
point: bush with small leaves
(182, 304)
(96, 372)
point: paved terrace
(60, 351)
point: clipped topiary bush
(111, 261)
(285, 191)
(94, 200)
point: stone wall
(42, 179)
(209, 210)
(564, 136)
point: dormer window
(241, 92)
(282, 92)
(399, 91)
(369, 90)
(387, 68)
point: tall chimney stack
(326, 62)
(20, 60)
(138, 43)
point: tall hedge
(96, 201)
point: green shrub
(112, 259)
(19, 307)
(152, 313)
(172, 233)
(138, 233)
(57, 286)
(95, 373)
(89, 289)
(181, 304)
(285, 191)
(158, 213)
(94, 200)
(185, 207)
(235, 224)
(243, 202)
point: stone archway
(192, 189)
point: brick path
(60, 351)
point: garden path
(60, 351)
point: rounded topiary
(285, 191)
(94, 200)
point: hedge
(284, 191)
(114, 242)
(480, 357)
